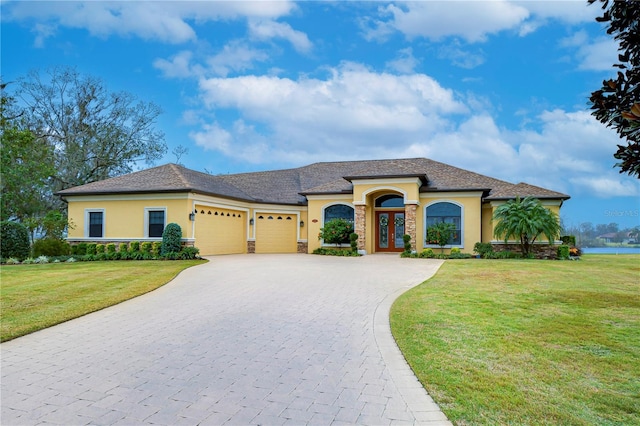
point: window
(156, 223)
(390, 201)
(339, 211)
(96, 224)
(449, 213)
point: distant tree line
(587, 234)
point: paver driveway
(246, 339)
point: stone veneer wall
(540, 251)
(251, 246)
(303, 247)
(361, 226)
(410, 223)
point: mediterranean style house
(282, 211)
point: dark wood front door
(389, 231)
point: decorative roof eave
(562, 197)
(423, 177)
(341, 192)
(435, 189)
(64, 194)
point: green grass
(527, 342)
(33, 297)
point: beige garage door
(220, 231)
(276, 233)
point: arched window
(339, 211)
(390, 201)
(449, 213)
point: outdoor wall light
(301, 223)
(192, 217)
(251, 221)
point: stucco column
(410, 223)
(361, 226)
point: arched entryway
(389, 223)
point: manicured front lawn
(527, 342)
(33, 297)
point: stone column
(361, 226)
(410, 223)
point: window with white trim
(95, 226)
(155, 222)
(449, 213)
(339, 211)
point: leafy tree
(14, 240)
(617, 103)
(525, 219)
(336, 231)
(441, 234)
(96, 134)
(26, 166)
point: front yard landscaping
(527, 342)
(33, 297)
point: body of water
(611, 250)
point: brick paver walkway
(242, 340)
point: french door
(389, 231)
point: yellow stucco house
(282, 211)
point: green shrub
(123, 248)
(406, 238)
(134, 247)
(111, 248)
(506, 254)
(459, 255)
(156, 248)
(81, 249)
(92, 249)
(485, 250)
(51, 247)
(569, 240)
(335, 252)
(171, 239)
(145, 247)
(14, 240)
(189, 253)
(353, 240)
(99, 248)
(563, 252)
(427, 254)
(455, 250)
(336, 231)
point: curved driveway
(243, 339)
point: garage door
(220, 231)
(276, 233)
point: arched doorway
(389, 223)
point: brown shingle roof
(288, 186)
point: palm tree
(525, 219)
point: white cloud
(435, 20)
(460, 57)
(607, 186)
(166, 21)
(472, 20)
(236, 56)
(405, 63)
(355, 113)
(267, 30)
(179, 66)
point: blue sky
(496, 87)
